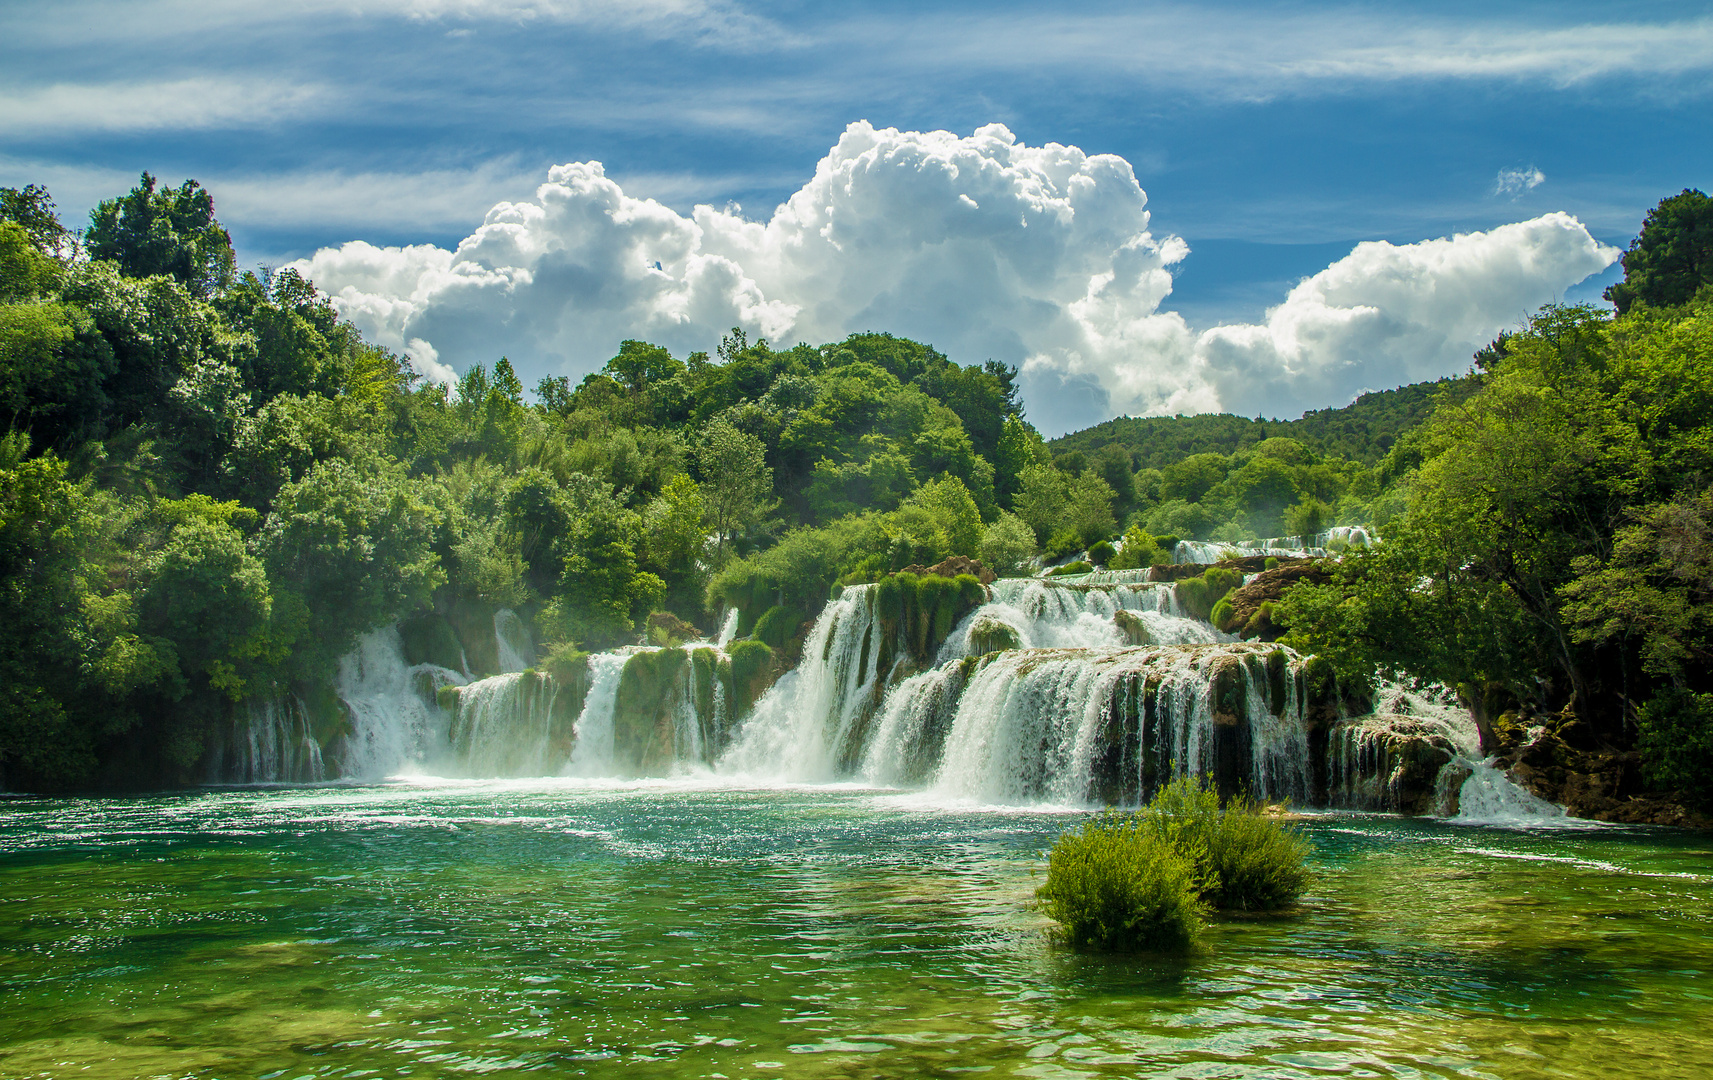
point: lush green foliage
(1243, 860)
(1676, 741)
(212, 486)
(1672, 259)
(1145, 881)
(1115, 886)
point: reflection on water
(662, 930)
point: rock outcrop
(1250, 615)
(1553, 757)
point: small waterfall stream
(592, 755)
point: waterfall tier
(1032, 690)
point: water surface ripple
(664, 930)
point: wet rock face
(990, 635)
(1130, 624)
(1388, 762)
(1598, 783)
(1250, 609)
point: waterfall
(503, 726)
(1047, 614)
(511, 642)
(271, 742)
(396, 724)
(800, 726)
(1211, 551)
(907, 738)
(728, 628)
(592, 752)
(1071, 726)
(1488, 797)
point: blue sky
(1269, 137)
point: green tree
(354, 544)
(1088, 508)
(1192, 477)
(1008, 546)
(169, 231)
(736, 482)
(601, 591)
(32, 210)
(1673, 256)
(1041, 499)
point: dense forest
(211, 486)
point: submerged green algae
(659, 931)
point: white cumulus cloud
(983, 246)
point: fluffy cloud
(1514, 182)
(990, 249)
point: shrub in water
(1101, 553)
(1245, 861)
(1116, 887)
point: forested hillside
(211, 487)
(1363, 431)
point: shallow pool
(670, 930)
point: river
(696, 927)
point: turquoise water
(659, 930)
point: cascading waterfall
(1074, 692)
(503, 726)
(1072, 726)
(271, 742)
(1047, 614)
(396, 723)
(512, 644)
(799, 727)
(592, 753)
(728, 628)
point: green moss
(447, 698)
(751, 665)
(1135, 631)
(1222, 580)
(429, 639)
(1197, 596)
(1271, 563)
(987, 634)
(778, 625)
(1224, 616)
(1078, 567)
(1193, 600)
(642, 717)
(1278, 670)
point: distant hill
(1363, 430)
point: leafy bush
(776, 626)
(1101, 553)
(1197, 596)
(1243, 860)
(1116, 887)
(1145, 881)
(1140, 550)
(1677, 743)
